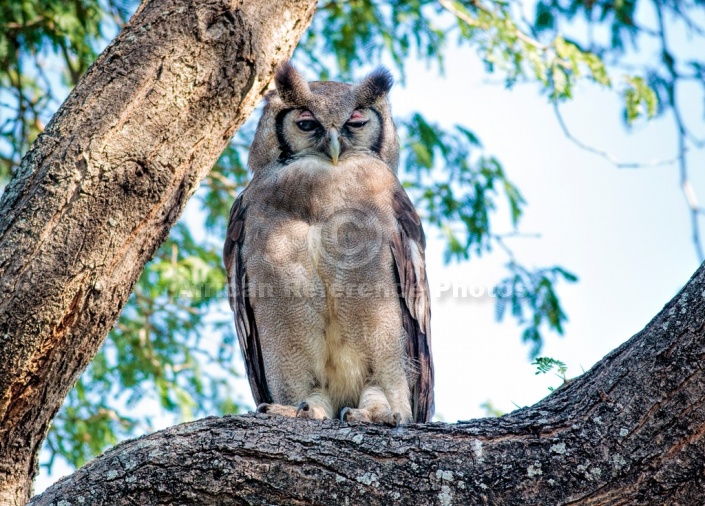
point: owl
(325, 259)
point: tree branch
(629, 431)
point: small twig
(522, 235)
(691, 25)
(223, 180)
(699, 143)
(606, 155)
(75, 74)
(27, 24)
(686, 187)
(500, 242)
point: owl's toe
(352, 415)
(386, 417)
(311, 411)
(277, 409)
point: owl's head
(325, 119)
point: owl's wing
(408, 246)
(240, 303)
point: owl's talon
(344, 413)
(303, 407)
(263, 408)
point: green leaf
(640, 99)
(533, 293)
(546, 364)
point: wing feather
(240, 303)
(408, 246)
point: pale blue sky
(625, 233)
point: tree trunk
(629, 431)
(101, 187)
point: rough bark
(100, 188)
(629, 431)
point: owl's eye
(357, 120)
(307, 125)
(356, 123)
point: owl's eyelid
(357, 123)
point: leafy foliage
(665, 74)
(454, 186)
(353, 34)
(533, 292)
(44, 43)
(502, 43)
(547, 364)
(640, 100)
(174, 342)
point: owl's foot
(385, 416)
(305, 410)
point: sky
(624, 232)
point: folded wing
(408, 246)
(240, 303)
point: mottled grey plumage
(325, 259)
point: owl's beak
(333, 145)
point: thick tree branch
(629, 431)
(99, 190)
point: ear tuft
(373, 87)
(291, 86)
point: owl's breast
(333, 219)
(314, 190)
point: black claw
(263, 408)
(302, 407)
(397, 419)
(343, 414)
